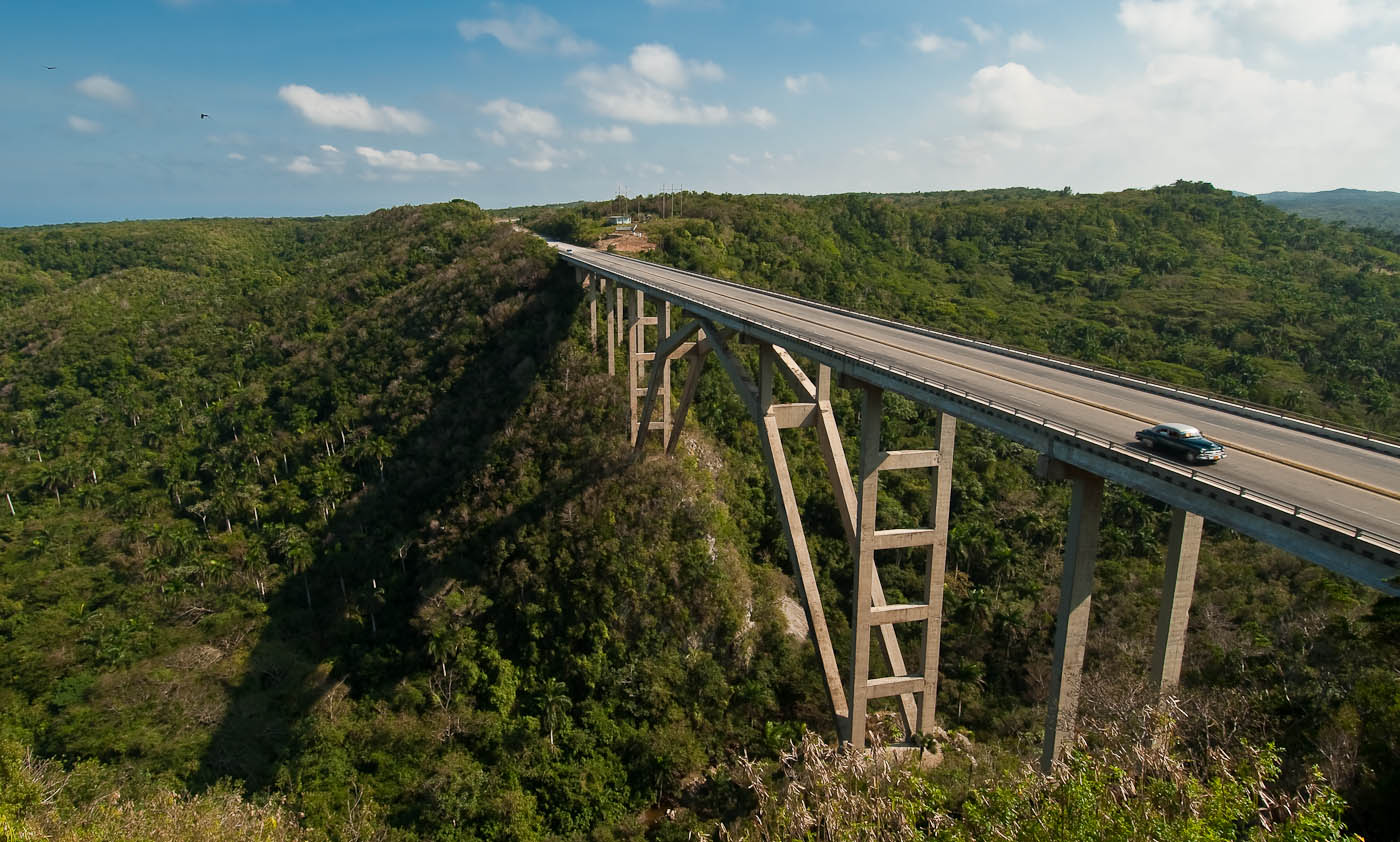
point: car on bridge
(1182, 441)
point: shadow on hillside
(368, 565)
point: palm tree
(293, 544)
(978, 607)
(966, 675)
(180, 487)
(373, 447)
(554, 698)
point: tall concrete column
(592, 281)
(1183, 548)
(613, 299)
(872, 407)
(635, 337)
(663, 333)
(1072, 622)
(935, 570)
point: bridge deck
(1321, 490)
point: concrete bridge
(1328, 494)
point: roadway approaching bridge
(1327, 494)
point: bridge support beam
(613, 297)
(760, 402)
(1076, 590)
(695, 366)
(916, 691)
(668, 346)
(869, 607)
(590, 281)
(1183, 548)
(636, 305)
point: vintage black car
(1182, 441)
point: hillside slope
(336, 503)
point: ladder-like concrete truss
(697, 339)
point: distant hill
(1357, 208)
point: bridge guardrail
(1279, 504)
(1303, 423)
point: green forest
(327, 528)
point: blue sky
(318, 107)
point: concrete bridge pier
(1076, 591)
(870, 609)
(1183, 548)
(697, 340)
(612, 298)
(590, 282)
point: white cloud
(616, 134)
(761, 117)
(735, 158)
(494, 136)
(529, 31)
(804, 82)
(1025, 42)
(350, 111)
(619, 94)
(326, 147)
(1385, 59)
(515, 118)
(402, 160)
(706, 70)
(1011, 97)
(235, 156)
(1308, 20)
(1186, 116)
(980, 34)
(83, 125)
(543, 158)
(1199, 25)
(100, 86)
(1170, 24)
(660, 64)
(932, 43)
(301, 165)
